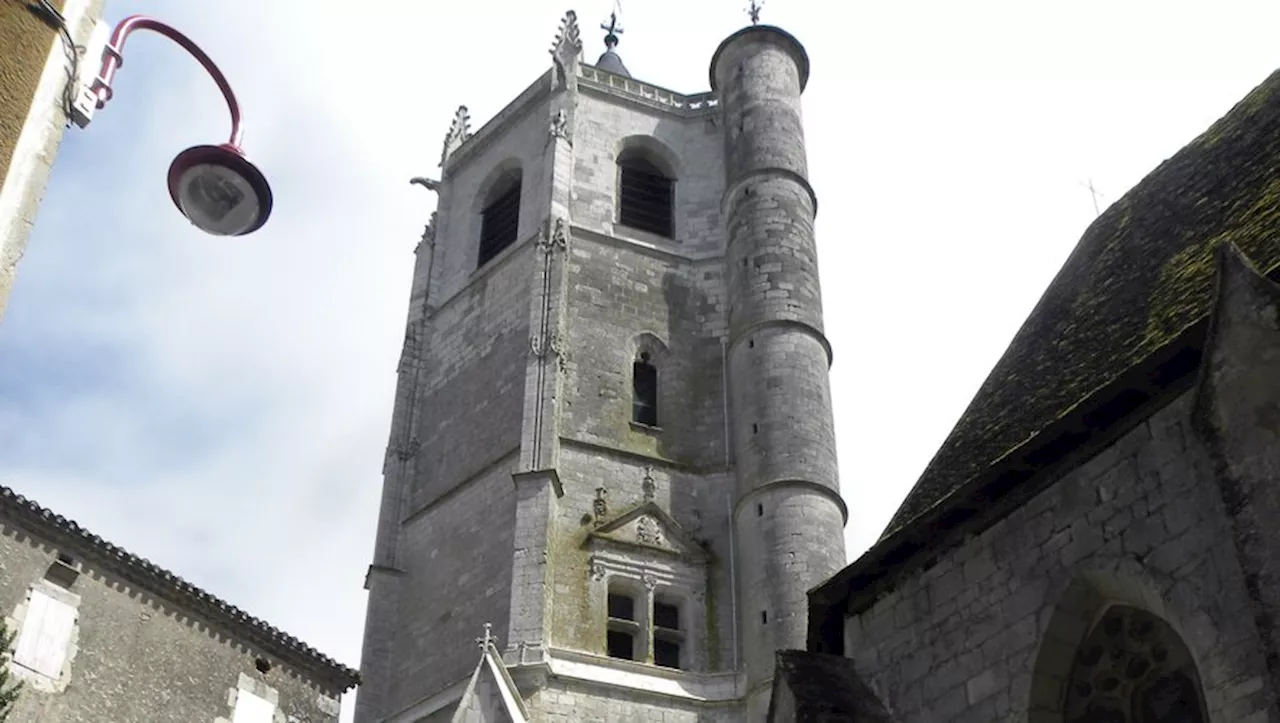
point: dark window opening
(755, 429)
(499, 224)
(644, 407)
(666, 615)
(764, 617)
(645, 197)
(759, 510)
(262, 664)
(666, 653)
(621, 607)
(622, 645)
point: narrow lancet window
(500, 220)
(644, 407)
(646, 196)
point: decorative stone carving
(650, 582)
(648, 485)
(597, 571)
(409, 450)
(428, 234)
(488, 638)
(648, 531)
(557, 237)
(565, 51)
(542, 346)
(560, 126)
(459, 132)
(600, 506)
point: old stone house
(1097, 539)
(104, 635)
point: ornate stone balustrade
(649, 94)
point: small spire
(609, 61)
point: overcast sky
(221, 407)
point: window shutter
(252, 709)
(45, 635)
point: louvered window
(646, 197)
(499, 223)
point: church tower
(612, 458)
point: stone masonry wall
(617, 295)
(135, 658)
(469, 406)
(989, 632)
(521, 146)
(698, 503)
(560, 703)
(457, 565)
(691, 146)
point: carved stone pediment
(648, 526)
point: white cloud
(237, 392)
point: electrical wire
(54, 18)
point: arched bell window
(646, 194)
(500, 217)
(1133, 668)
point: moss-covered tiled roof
(824, 689)
(1141, 274)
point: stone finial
(567, 40)
(459, 132)
(565, 52)
(485, 641)
(648, 485)
(599, 505)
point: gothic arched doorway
(1133, 668)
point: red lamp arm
(113, 59)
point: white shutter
(252, 709)
(45, 635)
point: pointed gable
(649, 526)
(491, 696)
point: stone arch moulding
(1111, 637)
(508, 169)
(653, 150)
(650, 342)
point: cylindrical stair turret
(788, 515)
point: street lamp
(214, 186)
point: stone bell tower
(612, 461)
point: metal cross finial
(754, 11)
(484, 642)
(1094, 193)
(612, 29)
